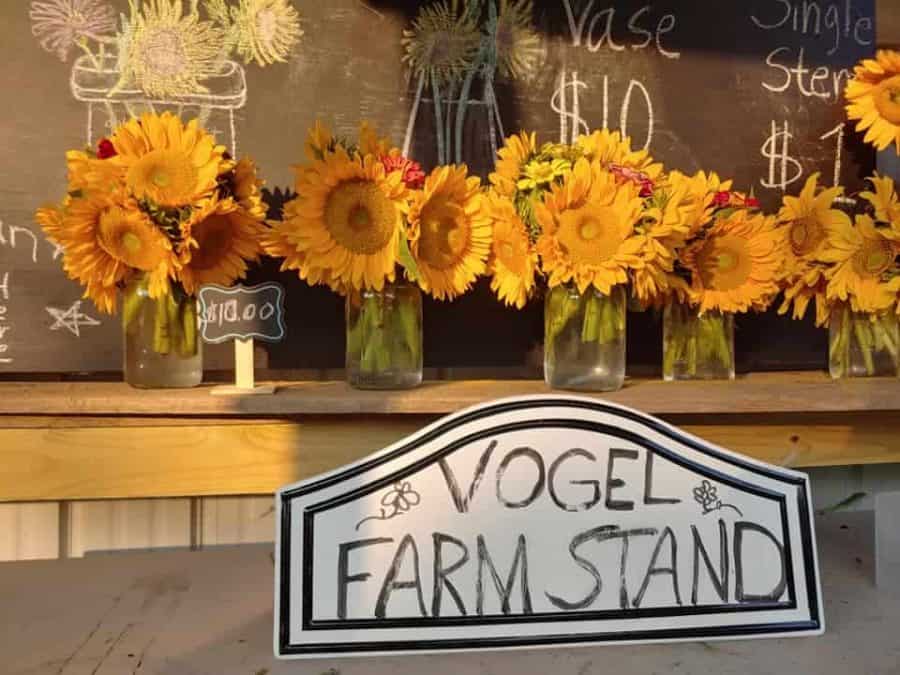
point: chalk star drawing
(71, 319)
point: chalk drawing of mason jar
(109, 104)
(455, 52)
(165, 55)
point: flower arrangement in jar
(585, 220)
(729, 261)
(155, 212)
(849, 267)
(372, 226)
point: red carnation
(722, 199)
(624, 173)
(751, 203)
(413, 176)
(105, 149)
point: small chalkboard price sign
(243, 314)
(543, 521)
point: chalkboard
(543, 521)
(712, 85)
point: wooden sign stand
(244, 379)
(241, 314)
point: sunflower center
(806, 235)
(444, 236)
(131, 242)
(874, 258)
(360, 217)
(887, 99)
(591, 237)
(214, 238)
(166, 176)
(267, 24)
(163, 53)
(724, 264)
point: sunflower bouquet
(156, 211)
(850, 268)
(368, 223)
(586, 219)
(730, 260)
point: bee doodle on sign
(397, 501)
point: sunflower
(517, 43)
(60, 24)
(166, 162)
(87, 173)
(737, 266)
(516, 152)
(343, 229)
(884, 200)
(102, 241)
(611, 149)
(449, 232)
(266, 30)
(216, 244)
(242, 184)
(808, 218)
(167, 52)
(513, 260)
(319, 140)
(666, 224)
(588, 229)
(865, 265)
(443, 42)
(874, 99)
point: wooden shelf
(107, 441)
(787, 392)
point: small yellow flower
(538, 174)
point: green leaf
(406, 258)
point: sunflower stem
(162, 342)
(132, 306)
(864, 342)
(188, 327)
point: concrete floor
(210, 613)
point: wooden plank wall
(76, 529)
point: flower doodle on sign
(397, 501)
(707, 497)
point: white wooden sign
(543, 521)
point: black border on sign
(285, 648)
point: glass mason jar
(584, 338)
(863, 345)
(697, 346)
(162, 348)
(384, 337)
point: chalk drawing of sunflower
(59, 24)
(266, 30)
(519, 48)
(168, 52)
(443, 42)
